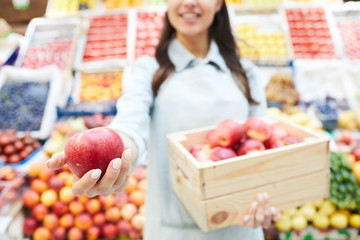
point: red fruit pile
(149, 26)
(230, 139)
(11, 184)
(14, 149)
(55, 213)
(106, 38)
(350, 33)
(310, 34)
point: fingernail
(254, 205)
(128, 155)
(266, 196)
(273, 211)
(116, 163)
(246, 218)
(96, 174)
(261, 198)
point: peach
(39, 211)
(83, 199)
(45, 174)
(83, 221)
(257, 129)
(66, 195)
(49, 197)
(112, 214)
(51, 221)
(132, 184)
(107, 202)
(67, 220)
(221, 153)
(92, 149)
(75, 233)
(59, 233)
(29, 226)
(64, 176)
(139, 173)
(76, 207)
(42, 233)
(30, 198)
(128, 211)
(142, 209)
(56, 183)
(142, 185)
(38, 185)
(211, 139)
(121, 199)
(93, 233)
(99, 219)
(60, 208)
(249, 146)
(93, 206)
(35, 168)
(109, 231)
(69, 180)
(138, 221)
(123, 228)
(135, 234)
(137, 197)
(229, 132)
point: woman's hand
(260, 213)
(115, 180)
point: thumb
(56, 161)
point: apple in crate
(211, 139)
(257, 129)
(250, 146)
(277, 133)
(228, 133)
(221, 153)
(92, 149)
(200, 152)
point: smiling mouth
(189, 15)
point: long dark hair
(220, 31)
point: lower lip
(190, 20)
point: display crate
(149, 25)
(50, 75)
(261, 37)
(217, 193)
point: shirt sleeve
(133, 107)
(257, 89)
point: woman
(196, 80)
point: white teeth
(189, 15)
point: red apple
(288, 140)
(92, 149)
(139, 173)
(356, 153)
(121, 199)
(347, 138)
(39, 211)
(59, 233)
(30, 198)
(109, 230)
(276, 134)
(99, 219)
(29, 226)
(211, 139)
(249, 146)
(75, 233)
(229, 132)
(220, 153)
(56, 183)
(60, 208)
(123, 228)
(200, 152)
(257, 129)
(93, 233)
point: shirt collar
(182, 58)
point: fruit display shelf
(49, 41)
(64, 8)
(210, 190)
(29, 98)
(310, 33)
(107, 38)
(148, 30)
(261, 37)
(113, 4)
(348, 25)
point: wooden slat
(275, 165)
(289, 193)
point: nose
(189, 2)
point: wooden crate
(216, 193)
